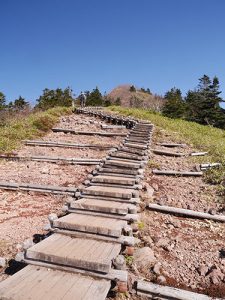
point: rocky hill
(130, 96)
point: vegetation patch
(30, 126)
(205, 138)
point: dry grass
(27, 127)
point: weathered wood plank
(91, 224)
(186, 212)
(108, 134)
(75, 252)
(38, 283)
(154, 290)
(176, 173)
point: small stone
(161, 279)
(212, 211)
(163, 242)
(157, 268)
(202, 270)
(119, 262)
(3, 262)
(27, 244)
(45, 171)
(155, 186)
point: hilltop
(130, 96)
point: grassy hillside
(27, 127)
(204, 138)
(138, 98)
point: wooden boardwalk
(77, 261)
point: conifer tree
(174, 106)
(95, 98)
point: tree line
(54, 97)
(201, 105)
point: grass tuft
(32, 126)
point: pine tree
(95, 98)
(52, 98)
(174, 106)
(20, 104)
(2, 101)
(203, 104)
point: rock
(161, 279)
(27, 244)
(157, 268)
(155, 186)
(212, 211)
(150, 191)
(202, 270)
(119, 262)
(144, 256)
(163, 242)
(148, 240)
(216, 276)
(45, 171)
(3, 262)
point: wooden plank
(103, 206)
(171, 145)
(77, 161)
(66, 145)
(108, 134)
(176, 173)
(74, 253)
(186, 212)
(91, 224)
(154, 290)
(122, 164)
(39, 283)
(113, 179)
(167, 153)
(38, 188)
(109, 192)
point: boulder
(144, 257)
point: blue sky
(157, 44)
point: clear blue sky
(83, 43)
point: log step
(186, 212)
(80, 253)
(91, 224)
(176, 173)
(113, 180)
(66, 160)
(171, 145)
(38, 188)
(113, 126)
(66, 145)
(135, 145)
(109, 134)
(96, 205)
(118, 171)
(167, 153)
(132, 150)
(121, 154)
(109, 192)
(152, 290)
(41, 283)
(122, 164)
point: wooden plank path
(77, 260)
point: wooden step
(75, 252)
(122, 164)
(123, 154)
(39, 283)
(96, 205)
(91, 224)
(65, 145)
(108, 134)
(119, 171)
(109, 192)
(135, 145)
(113, 180)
